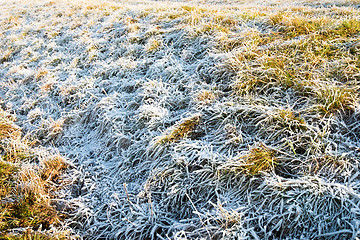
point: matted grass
(186, 120)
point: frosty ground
(189, 120)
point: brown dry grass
(26, 188)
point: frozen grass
(29, 179)
(181, 130)
(186, 120)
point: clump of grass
(297, 65)
(153, 45)
(10, 139)
(326, 165)
(52, 167)
(288, 115)
(27, 211)
(6, 55)
(292, 26)
(54, 127)
(16, 150)
(205, 97)
(348, 28)
(228, 218)
(7, 128)
(181, 130)
(41, 74)
(259, 159)
(7, 171)
(285, 119)
(25, 187)
(195, 15)
(334, 99)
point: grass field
(180, 119)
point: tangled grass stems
(26, 188)
(109, 84)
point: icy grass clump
(31, 181)
(191, 121)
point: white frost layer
(101, 84)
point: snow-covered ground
(189, 120)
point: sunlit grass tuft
(180, 130)
(334, 99)
(259, 159)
